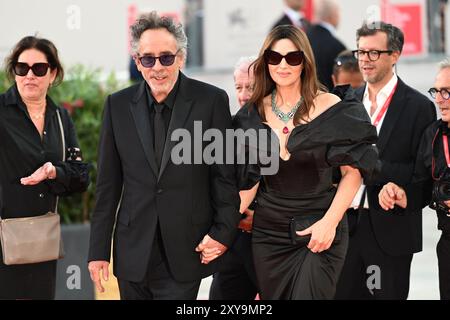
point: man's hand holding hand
(210, 249)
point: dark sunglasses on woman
(293, 58)
(39, 69)
(166, 60)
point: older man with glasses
(433, 165)
(382, 243)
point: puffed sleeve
(353, 141)
(72, 175)
(248, 170)
(248, 174)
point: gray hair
(395, 37)
(324, 9)
(151, 21)
(444, 64)
(244, 63)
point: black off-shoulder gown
(303, 186)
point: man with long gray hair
(173, 219)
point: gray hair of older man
(325, 9)
(444, 64)
(243, 64)
(152, 21)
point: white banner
(236, 28)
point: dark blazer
(284, 19)
(325, 48)
(399, 231)
(188, 200)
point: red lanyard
(445, 142)
(446, 152)
(384, 108)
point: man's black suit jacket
(188, 200)
(326, 48)
(399, 231)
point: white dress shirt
(381, 98)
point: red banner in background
(407, 17)
(308, 10)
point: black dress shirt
(168, 102)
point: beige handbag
(30, 240)
(33, 239)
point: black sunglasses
(39, 69)
(293, 58)
(373, 55)
(166, 60)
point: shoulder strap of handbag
(63, 141)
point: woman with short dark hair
(32, 169)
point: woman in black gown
(299, 235)
(32, 173)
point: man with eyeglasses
(433, 165)
(172, 219)
(379, 240)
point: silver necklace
(37, 117)
(285, 117)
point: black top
(22, 152)
(342, 135)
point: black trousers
(368, 272)
(443, 255)
(158, 284)
(237, 279)
(28, 281)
